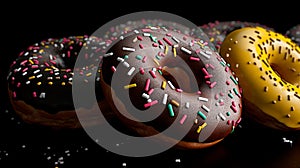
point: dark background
(251, 145)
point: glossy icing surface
(145, 63)
(268, 68)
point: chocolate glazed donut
(156, 78)
(40, 81)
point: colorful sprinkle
(130, 86)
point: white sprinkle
(25, 73)
(171, 85)
(126, 64)
(121, 37)
(153, 28)
(203, 99)
(26, 53)
(50, 57)
(135, 40)
(42, 95)
(187, 105)
(130, 72)
(175, 39)
(185, 50)
(145, 95)
(165, 98)
(177, 160)
(287, 141)
(102, 43)
(38, 76)
(149, 100)
(205, 55)
(120, 59)
(136, 31)
(146, 34)
(28, 82)
(124, 164)
(36, 71)
(108, 54)
(208, 52)
(205, 108)
(165, 29)
(222, 116)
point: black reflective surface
(21, 144)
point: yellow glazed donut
(267, 65)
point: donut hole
(65, 56)
(276, 70)
(178, 77)
(284, 75)
(64, 61)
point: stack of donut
(145, 68)
(40, 79)
(165, 71)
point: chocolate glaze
(64, 52)
(42, 75)
(218, 102)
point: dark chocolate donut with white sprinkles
(40, 81)
(176, 78)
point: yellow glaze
(267, 65)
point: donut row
(160, 77)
